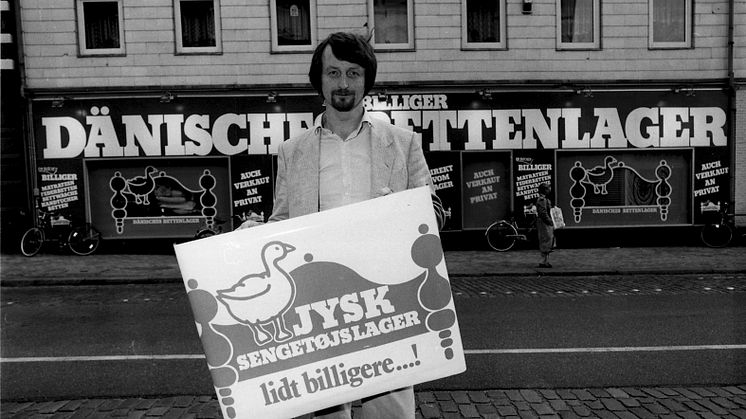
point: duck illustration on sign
(142, 186)
(261, 299)
(601, 175)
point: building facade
(154, 118)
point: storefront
(144, 168)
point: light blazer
(397, 160)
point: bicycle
(55, 228)
(721, 225)
(219, 226)
(502, 235)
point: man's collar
(318, 122)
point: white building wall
(52, 61)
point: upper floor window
(197, 26)
(293, 25)
(393, 24)
(578, 24)
(670, 23)
(100, 27)
(483, 24)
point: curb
(98, 281)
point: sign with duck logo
(324, 309)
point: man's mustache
(343, 92)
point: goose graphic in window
(261, 299)
(601, 175)
(142, 186)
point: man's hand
(252, 220)
(384, 191)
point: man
(348, 157)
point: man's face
(342, 82)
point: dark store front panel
(486, 187)
(625, 188)
(445, 170)
(151, 198)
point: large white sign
(324, 309)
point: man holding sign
(347, 157)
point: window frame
(595, 44)
(83, 50)
(688, 29)
(276, 47)
(178, 34)
(402, 46)
(503, 30)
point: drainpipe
(27, 123)
(732, 105)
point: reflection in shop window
(579, 24)
(197, 26)
(293, 25)
(670, 23)
(483, 24)
(392, 22)
(100, 29)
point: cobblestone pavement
(461, 286)
(608, 285)
(51, 269)
(612, 403)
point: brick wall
(52, 61)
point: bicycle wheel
(716, 235)
(204, 233)
(501, 236)
(84, 240)
(32, 241)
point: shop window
(197, 26)
(293, 25)
(100, 27)
(670, 23)
(483, 24)
(578, 24)
(392, 22)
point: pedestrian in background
(544, 224)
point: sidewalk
(627, 402)
(728, 402)
(58, 269)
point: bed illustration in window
(157, 194)
(612, 184)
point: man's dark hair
(544, 188)
(348, 47)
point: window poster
(711, 181)
(625, 188)
(486, 187)
(158, 197)
(529, 171)
(252, 184)
(60, 184)
(445, 170)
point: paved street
(487, 276)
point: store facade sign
(291, 324)
(100, 129)
(487, 156)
